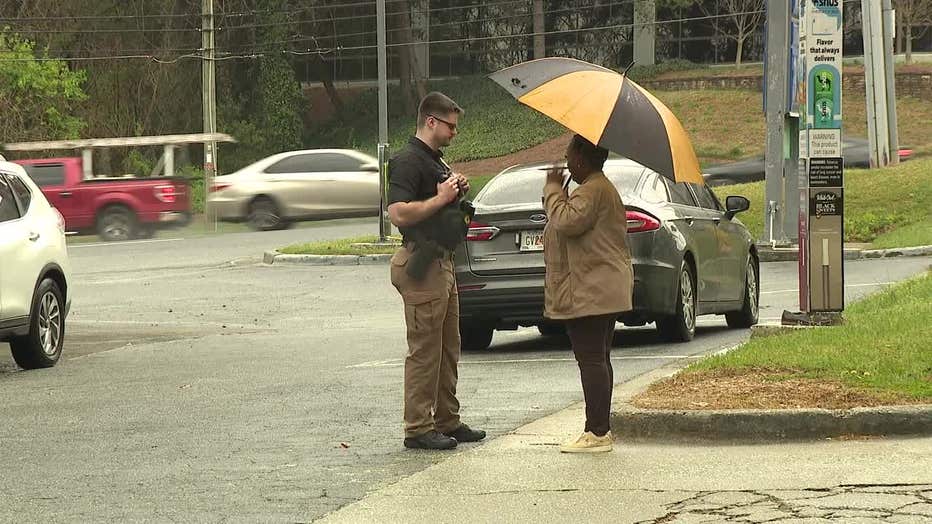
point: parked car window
(292, 164)
(679, 193)
(22, 192)
(526, 186)
(8, 208)
(46, 174)
(706, 199)
(654, 190)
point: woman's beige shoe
(588, 442)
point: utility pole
(776, 83)
(209, 96)
(889, 34)
(875, 80)
(385, 226)
(645, 33)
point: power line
(443, 24)
(255, 54)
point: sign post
(821, 173)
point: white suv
(34, 271)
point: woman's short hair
(593, 155)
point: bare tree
(914, 18)
(734, 19)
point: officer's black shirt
(414, 173)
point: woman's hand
(555, 175)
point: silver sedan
(298, 185)
(691, 255)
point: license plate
(531, 241)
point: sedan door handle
(34, 236)
(65, 194)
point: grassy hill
(725, 125)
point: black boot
(430, 440)
(465, 433)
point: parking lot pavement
(270, 393)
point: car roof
(611, 162)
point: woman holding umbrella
(589, 278)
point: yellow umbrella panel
(608, 110)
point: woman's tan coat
(585, 251)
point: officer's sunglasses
(450, 125)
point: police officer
(421, 185)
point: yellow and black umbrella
(608, 110)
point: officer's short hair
(438, 105)
(593, 155)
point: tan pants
(432, 315)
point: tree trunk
(407, 62)
(326, 77)
(909, 44)
(740, 49)
(540, 48)
(899, 36)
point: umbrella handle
(625, 73)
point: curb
(791, 254)
(274, 257)
(755, 425)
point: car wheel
(41, 348)
(116, 223)
(681, 326)
(748, 314)
(475, 337)
(264, 215)
(551, 329)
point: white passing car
(34, 271)
(294, 186)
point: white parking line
(396, 362)
(127, 243)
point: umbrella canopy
(608, 110)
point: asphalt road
(195, 389)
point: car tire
(475, 337)
(748, 314)
(681, 326)
(552, 329)
(264, 215)
(41, 348)
(116, 223)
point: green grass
(918, 234)
(886, 206)
(341, 246)
(476, 184)
(883, 346)
(494, 124)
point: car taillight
(479, 232)
(219, 187)
(166, 194)
(60, 220)
(639, 221)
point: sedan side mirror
(736, 204)
(371, 168)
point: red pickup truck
(118, 208)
